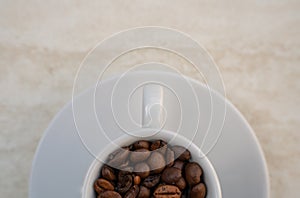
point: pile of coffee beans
(147, 169)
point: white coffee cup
(153, 96)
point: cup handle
(152, 106)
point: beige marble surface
(256, 44)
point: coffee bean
(179, 164)
(124, 182)
(144, 192)
(123, 165)
(163, 147)
(163, 143)
(156, 162)
(97, 188)
(160, 146)
(108, 173)
(123, 173)
(142, 144)
(119, 157)
(169, 157)
(109, 194)
(139, 155)
(181, 153)
(137, 180)
(142, 169)
(104, 184)
(181, 183)
(155, 145)
(193, 173)
(171, 175)
(133, 192)
(151, 181)
(167, 191)
(198, 191)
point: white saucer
(62, 160)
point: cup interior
(209, 173)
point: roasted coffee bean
(151, 181)
(178, 164)
(137, 180)
(133, 192)
(181, 153)
(171, 175)
(142, 144)
(198, 191)
(124, 182)
(144, 192)
(97, 188)
(109, 194)
(169, 157)
(139, 155)
(163, 147)
(163, 143)
(167, 191)
(116, 152)
(155, 145)
(123, 173)
(156, 162)
(142, 169)
(162, 150)
(193, 173)
(104, 184)
(181, 183)
(108, 173)
(119, 157)
(124, 166)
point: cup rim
(201, 158)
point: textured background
(256, 44)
